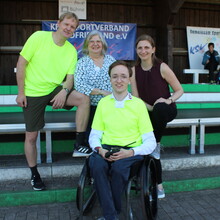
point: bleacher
(12, 121)
(198, 108)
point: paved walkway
(196, 205)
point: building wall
(20, 18)
(191, 14)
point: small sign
(198, 39)
(76, 6)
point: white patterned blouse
(89, 76)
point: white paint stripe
(8, 99)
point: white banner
(76, 6)
(198, 39)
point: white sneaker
(160, 194)
(156, 152)
(81, 151)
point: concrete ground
(192, 185)
(196, 205)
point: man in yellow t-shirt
(120, 120)
(46, 61)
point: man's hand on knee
(59, 100)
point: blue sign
(120, 37)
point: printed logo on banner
(120, 37)
(198, 39)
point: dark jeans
(160, 116)
(110, 180)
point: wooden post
(165, 11)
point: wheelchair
(142, 179)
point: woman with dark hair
(150, 82)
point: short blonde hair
(69, 15)
(88, 38)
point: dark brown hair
(211, 44)
(118, 63)
(148, 38)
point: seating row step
(63, 189)
(203, 101)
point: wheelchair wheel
(85, 195)
(149, 189)
(129, 213)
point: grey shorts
(34, 112)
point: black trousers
(160, 116)
(91, 116)
(212, 67)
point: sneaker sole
(155, 157)
(161, 196)
(79, 154)
(38, 189)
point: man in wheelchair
(121, 135)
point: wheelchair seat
(142, 179)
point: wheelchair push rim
(85, 195)
(149, 189)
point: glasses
(95, 42)
(120, 78)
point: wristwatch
(171, 100)
(67, 90)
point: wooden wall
(20, 18)
(191, 14)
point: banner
(120, 37)
(198, 39)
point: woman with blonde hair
(91, 77)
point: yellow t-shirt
(122, 126)
(48, 64)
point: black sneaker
(37, 183)
(81, 150)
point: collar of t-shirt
(120, 104)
